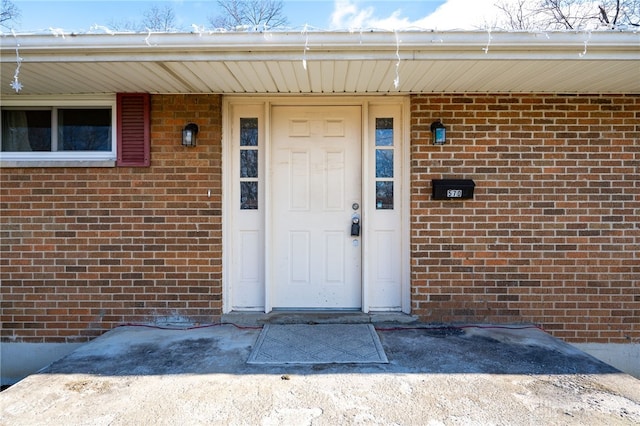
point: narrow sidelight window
(249, 172)
(384, 163)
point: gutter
(372, 45)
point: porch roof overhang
(371, 62)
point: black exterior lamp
(189, 134)
(439, 133)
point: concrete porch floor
(477, 374)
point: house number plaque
(452, 189)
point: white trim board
(233, 224)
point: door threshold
(317, 317)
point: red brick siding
(552, 235)
(86, 249)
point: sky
(90, 15)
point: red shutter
(133, 130)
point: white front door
(316, 191)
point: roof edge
(346, 40)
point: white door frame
(265, 104)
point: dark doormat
(318, 344)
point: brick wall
(86, 249)
(552, 235)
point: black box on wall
(452, 189)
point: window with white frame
(56, 129)
(66, 130)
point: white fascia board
(601, 45)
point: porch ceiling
(317, 63)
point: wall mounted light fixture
(439, 133)
(189, 134)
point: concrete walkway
(435, 376)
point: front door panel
(315, 188)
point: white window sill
(8, 163)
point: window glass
(79, 129)
(248, 132)
(248, 163)
(249, 195)
(84, 130)
(249, 155)
(384, 163)
(26, 130)
(384, 195)
(384, 131)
